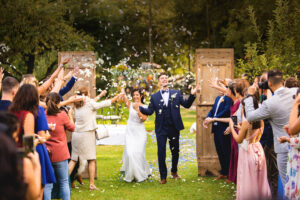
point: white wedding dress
(135, 165)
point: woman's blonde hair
(83, 90)
(29, 79)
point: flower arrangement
(122, 76)
(173, 96)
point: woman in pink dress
(252, 180)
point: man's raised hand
(76, 70)
(194, 90)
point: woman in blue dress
(41, 128)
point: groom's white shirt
(165, 97)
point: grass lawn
(190, 186)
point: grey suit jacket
(277, 110)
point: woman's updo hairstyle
(82, 91)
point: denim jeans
(61, 171)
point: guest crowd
(256, 132)
(40, 169)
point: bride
(134, 156)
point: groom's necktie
(164, 91)
(218, 105)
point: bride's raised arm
(126, 101)
(125, 98)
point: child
(292, 186)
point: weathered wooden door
(211, 64)
(85, 60)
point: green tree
(239, 30)
(280, 49)
(32, 28)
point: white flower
(99, 61)
(81, 71)
(103, 78)
(174, 96)
(88, 65)
(87, 72)
(159, 111)
(123, 84)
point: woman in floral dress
(292, 186)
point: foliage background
(264, 33)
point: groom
(166, 104)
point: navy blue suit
(168, 123)
(222, 142)
(67, 88)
